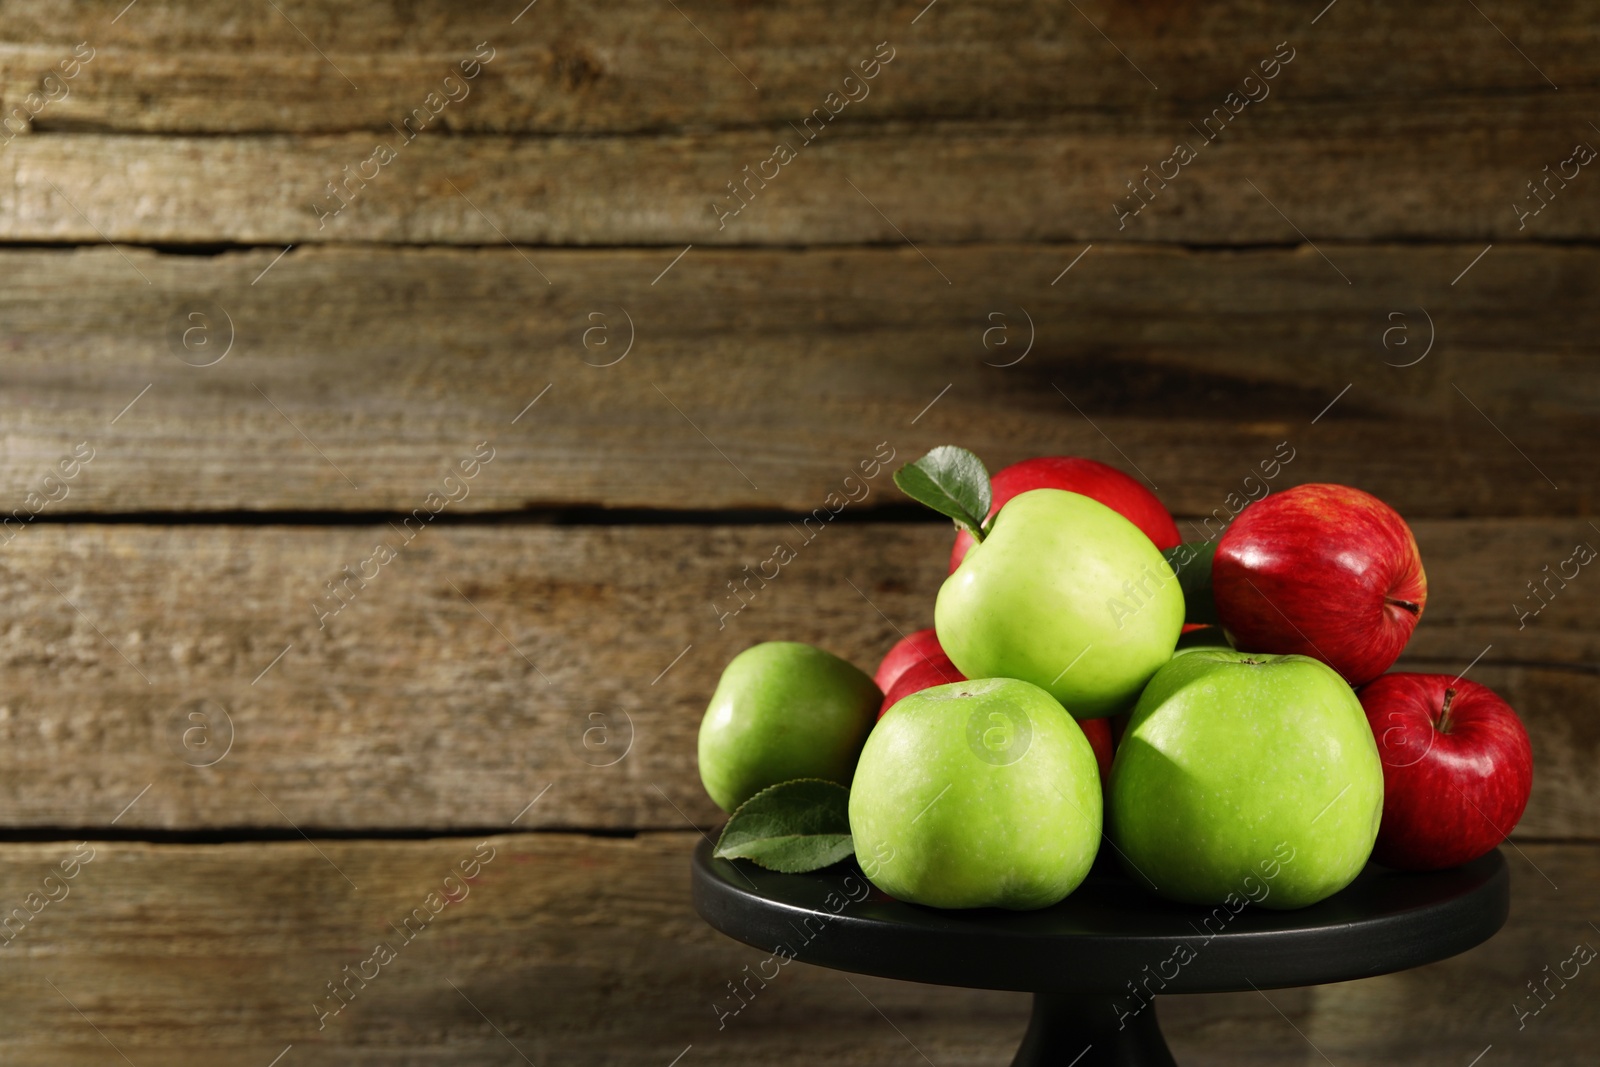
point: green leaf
(793, 827)
(1191, 562)
(951, 481)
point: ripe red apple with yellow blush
(1319, 570)
(1091, 478)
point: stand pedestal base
(1107, 934)
(1086, 1032)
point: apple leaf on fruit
(792, 827)
(1191, 562)
(951, 481)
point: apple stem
(1406, 605)
(1443, 723)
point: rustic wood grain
(509, 669)
(214, 67)
(487, 664)
(586, 950)
(1331, 171)
(358, 377)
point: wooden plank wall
(600, 383)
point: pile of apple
(1212, 710)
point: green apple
(1067, 594)
(977, 794)
(783, 710)
(1247, 775)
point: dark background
(271, 770)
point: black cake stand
(1094, 961)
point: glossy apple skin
(783, 710)
(1453, 785)
(1046, 598)
(1094, 480)
(919, 676)
(1232, 761)
(919, 646)
(1325, 571)
(977, 794)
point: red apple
(1324, 571)
(1098, 731)
(919, 646)
(1457, 768)
(924, 674)
(1092, 479)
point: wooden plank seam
(52, 87)
(456, 90)
(784, 153)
